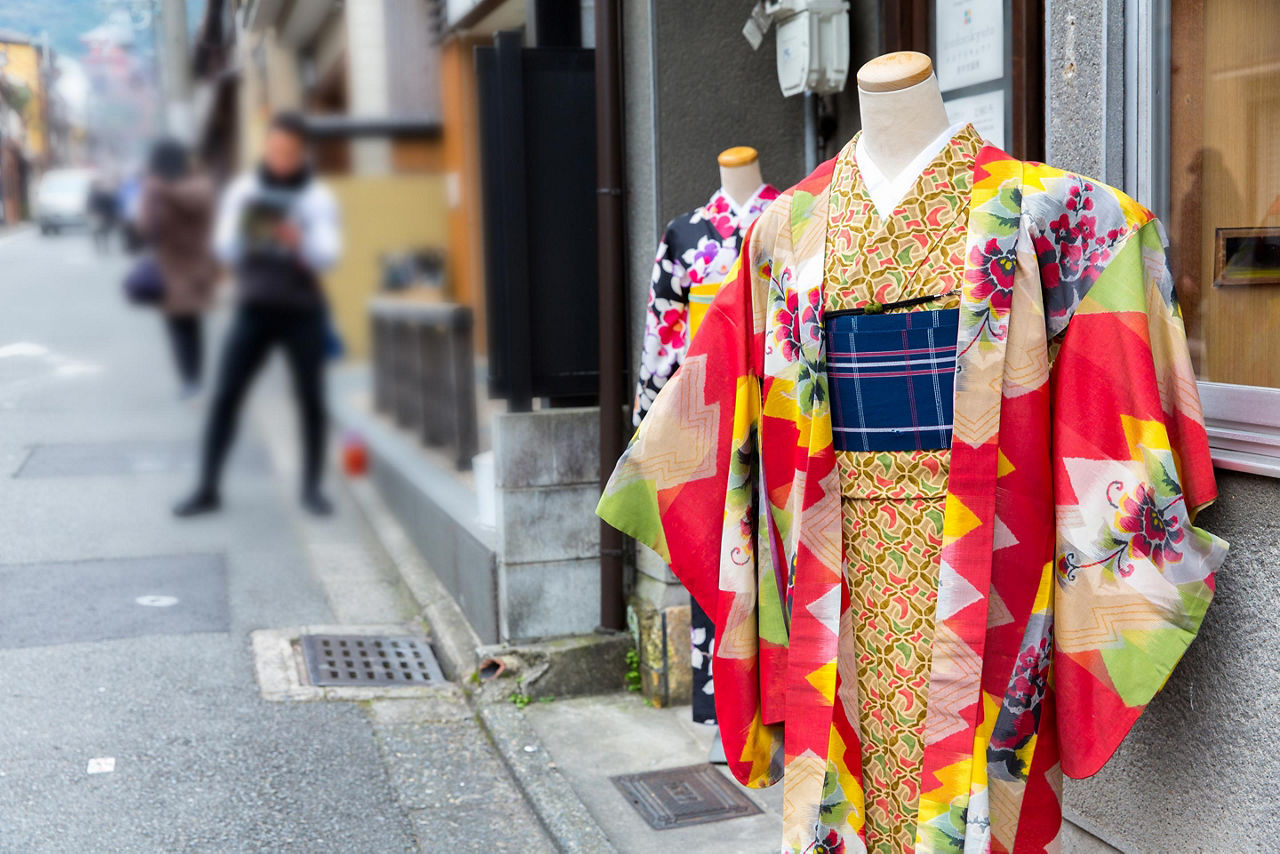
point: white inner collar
(745, 205)
(886, 193)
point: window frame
(1243, 422)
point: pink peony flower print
(991, 275)
(1156, 532)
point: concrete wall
(368, 81)
(1199, 770)
(548, 538)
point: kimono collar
(888, 191)
(729, 217)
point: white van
(62, 199)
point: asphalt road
(129, 716)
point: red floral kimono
(1069, 577)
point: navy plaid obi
(892, 378)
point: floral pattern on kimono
(1071, 577)
(696, 251)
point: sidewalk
(133, 718)
(593, 739)
(563, 754)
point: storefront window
(1224, 186)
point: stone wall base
(662, 635)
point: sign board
(969, 38)
(985, 112)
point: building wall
(23, 65)
(1199, 770)
(694, 87)
(461, 163)
(368, 80)
(379, 215)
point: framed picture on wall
(1246, 256)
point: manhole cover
(679, 797)
(369, 660)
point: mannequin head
(740, 172)
(894, 71)
(901, 108)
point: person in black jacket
(277, 228)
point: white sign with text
(970, 42)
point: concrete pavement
(131, 721)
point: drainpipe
(613, 333)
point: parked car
(62, 199)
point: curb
(454, 640)
(558, 808)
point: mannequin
(901, 107)
(697, 251)
(740, 173)
(917, 637)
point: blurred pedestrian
(175, 218)
(277, 228)
(128, 206)
(103, 213)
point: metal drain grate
(369, 660)
(679, 797)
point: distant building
(31, 134)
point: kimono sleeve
(680, 487)
(666, 330)
(1134, 576)
(688, 487)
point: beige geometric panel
(1006, 803)
(955, 685)
(820, 524)
(1027, 353)
(813, 240)
(1085, 623)
(847, 657)
(976, 429)
(998, 613)
(738, 638)
(802, 798)
(682, 446)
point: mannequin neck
(741, 182)
(898, 125)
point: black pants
(186, 335)
(302, 333)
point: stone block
(548, 523)
(659, 594)
(663, 646)
(549, 598)
(648, 563)
(590, 663)
(549, 447)
(679, 667)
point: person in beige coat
(176, 221)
